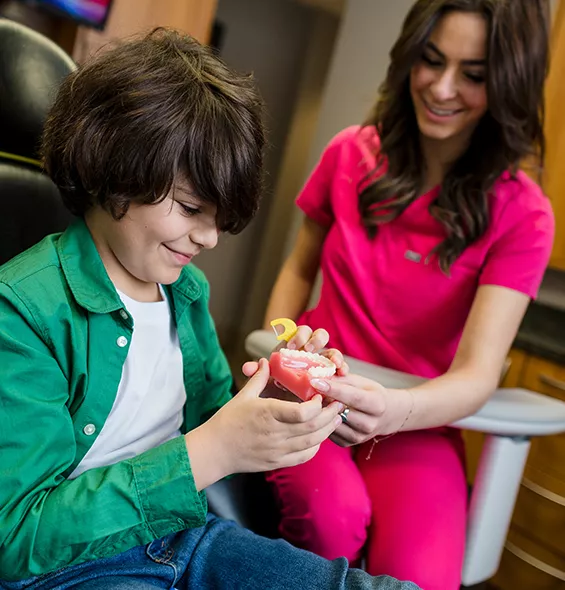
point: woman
(431, 244)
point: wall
(554, 181)
(129, 17)
(367, 31)
(293, 169)
(270, 39)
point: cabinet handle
(505, 369)
(535, 562)
(552, 382)
(543, 492)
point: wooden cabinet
(554, 179)
(534, 556)
(548, 453)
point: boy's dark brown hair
(130, 123)
(511, 130)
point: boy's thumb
(258, 382)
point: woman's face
(447, 84)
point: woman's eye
(476, 78)
(189, 210)
(430, 61)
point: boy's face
(152, 243)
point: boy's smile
(181, 257)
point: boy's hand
(251, 434)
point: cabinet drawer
(527, 566)
(512, 375)
(545, 377)
(548, 452)
(518, 571)
(547, 455)
(540, 517)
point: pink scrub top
(380, 300)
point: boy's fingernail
(320, 385)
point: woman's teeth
(442, 112)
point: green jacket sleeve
(46, 521)
(218, 376)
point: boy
(110, 434)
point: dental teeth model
(293, 369)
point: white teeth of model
(327, 365)
(306, 355)
(321, 371)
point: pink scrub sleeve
(519, 255)
(315, 197)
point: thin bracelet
(378, 439)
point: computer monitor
(92, 13)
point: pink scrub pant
(404, 510)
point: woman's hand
(373, 409)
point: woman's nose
(445, 87)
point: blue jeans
(219, 555)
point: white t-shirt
(148, 409)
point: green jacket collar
(89, 282)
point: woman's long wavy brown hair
(511, 130)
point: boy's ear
(117, 209)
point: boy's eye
(188, 209)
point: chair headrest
(31, 69)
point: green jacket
(60, 366)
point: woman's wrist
(400, 406)
(400, 403)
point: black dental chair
(31, 68)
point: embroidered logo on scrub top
(413, 256)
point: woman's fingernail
(320, 385)
(341, 407)
(309, 348)
(291, 346)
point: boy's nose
(206, 237)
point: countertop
(542, 332)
